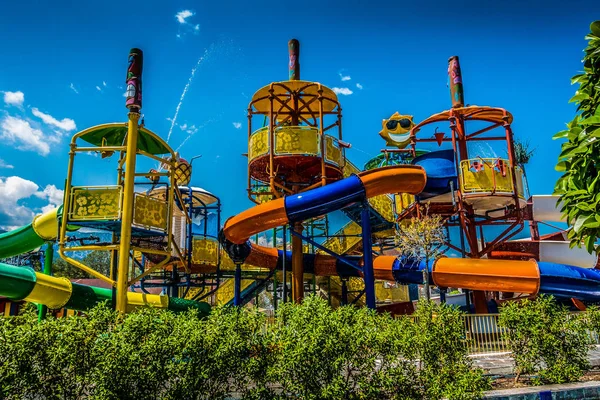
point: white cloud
(98, 88)
(66, 124)
(181, 16)
(183, 127)
(14, 98)
(197, 28)
(53, 194)
(237, 125)
(73, 88)
(344, 78)
(13, 190)
(103, 83)
(192, 129)
(18, 131)
(344, 91)
(178, 35)
(358, 85)
(3, 164)
(124, 94)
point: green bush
(546, 340)
(446, 369)
(52, 359)
(311, 352)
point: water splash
(186, 88)
(194, 131)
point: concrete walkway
(503, 363)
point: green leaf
(561, 134)
(561, 166)
(578, 97)
(595, 28)
(591, 120)
(589, 244)
(580, 222)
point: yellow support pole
(134, 103)
(127, 212)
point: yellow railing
(205, 251)
(294, 140)
(485, 175)
(89, 203)
(150, 212)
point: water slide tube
(43, 228)
(23, 283)
(531, 277)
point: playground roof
(281, 91)
(480, 113)
(114, 134)
(201, 197)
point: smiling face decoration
(396, 130)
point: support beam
(48, 258)
(237, 300)
(297, 265)
(368, 273)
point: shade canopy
(282, 91)
(114, 134)
(474, 113)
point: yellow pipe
(149, 271)
(142, 299)
(92, 247)
(151, 251)
(51, 291)
(84, 267)
(127, 212)
(100, 149)
(67, 199)
(46, 225)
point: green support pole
(48, 259)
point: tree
(579, 159)
(523, 153)
(97, 260)
(422, 240)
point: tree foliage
(579, 160)
(546, 341)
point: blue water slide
(567, 281)
(440, 167)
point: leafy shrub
(446, 369)
(546, 340)
(51, 359)
(311, 352)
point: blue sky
(62, 69)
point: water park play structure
(163, 232)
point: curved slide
(529, 277)
(23, 283)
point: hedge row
(310, 352)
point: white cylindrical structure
(545, 208)
(560, 253)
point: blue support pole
(369, 276)
(285, 291)
(344, 300)
(237, 300)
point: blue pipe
(323, 200)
